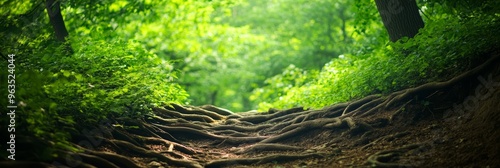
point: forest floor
(454, 123)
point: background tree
(56, 19)
(57, 22)
(401, 18)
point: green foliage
(465, 8)
(366, 17)
(40, 127)
(281, 84)
(306, 34)
(206, 55)
(104, 77)
(446, 47)
(232, 53)
(59, 94)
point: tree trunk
(213, 97)
(401, 18)
(57, 22)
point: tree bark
(56, 19)
(213, 97)
(57, 22)
(400, 17)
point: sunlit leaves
(118, 74)
(15, 7)
(117, 5)
(432, 55)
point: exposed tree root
(384, 158)
(176, 146)
(119, 160)
(144, 152)
(259, 160)
(218, 110)
(165, 121)
(96, 161)
(200, 134)
(159, 133)
(361, 104)
(295, 129)
(287, 117)
(192, 117)
(231, 133)
(401, 109)
(122, 135)
(388, 138)
(261, 118)
(198, 111)
(185, 131)
(241, 128)
(260, 147)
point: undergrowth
(444, 48)
(59, 94)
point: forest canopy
(121, 58)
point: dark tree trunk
(57, 22)
(213, 97)
(56, 19)
(343, 26)
(401, 18)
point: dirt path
(442, 124)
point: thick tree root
(259, 160)
(119, 160)
(192, 117)
(199, 111)
(261, 147)
(241, 128)
(218, 110)
(176, 146)
(96, 161)
(144, 152)
(255, 119)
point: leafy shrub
(59, 94)
(280, 85)
(103, 78)
(444, 48)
